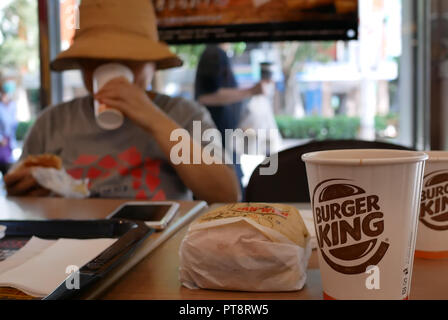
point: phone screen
(143, 212)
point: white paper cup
(109, 118)
(432, 239)
(365, 207)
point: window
(73, 85)
(19, 62)
(359, 89)
(326, 90)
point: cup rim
(364, 157)
(110, 125)
(437, 156)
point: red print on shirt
(85, 160)
(144, 174)
(76, 173)
(93, 173)
(152, 182)
(131, 156)
(108, 162)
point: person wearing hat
(132, 161)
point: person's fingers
(114, 103)
(22, 187)
(15, 175)
(257, 89)
(113, 86)
(39, 192)
(113, 93)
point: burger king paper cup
(109, 118)
(432, 239)
(365, 206)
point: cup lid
(364, 157)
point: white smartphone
(156, 215)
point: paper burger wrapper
(365, 205)
(246, 247)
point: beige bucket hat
(116, 30)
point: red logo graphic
(144, 172)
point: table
(156, 277)
(152, 273)
(57, 208)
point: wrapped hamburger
(246, 247)
(49, 173)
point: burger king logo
(349, 226)
(434, 201)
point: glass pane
(19, 70)
(73, 86)
(439, 75)
(323, 90)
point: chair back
(290, 183)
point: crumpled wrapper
(61, 183)
(246, 247)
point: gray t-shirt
(123, 163)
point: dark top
(215, 72)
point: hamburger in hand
(20, 182)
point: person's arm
(19, 181)
(211, 90)
(225, 96)
(212, 183)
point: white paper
(33, 247)
(41, 274)
(243, 256)
(61, 183)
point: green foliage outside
(34, 96)
(382, 122)
(22, 130)
(313, 51)
(18, 34)
(320, 128)
(190, 54)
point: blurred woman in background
(8, 123)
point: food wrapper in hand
(61, 183)
(246, 247)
